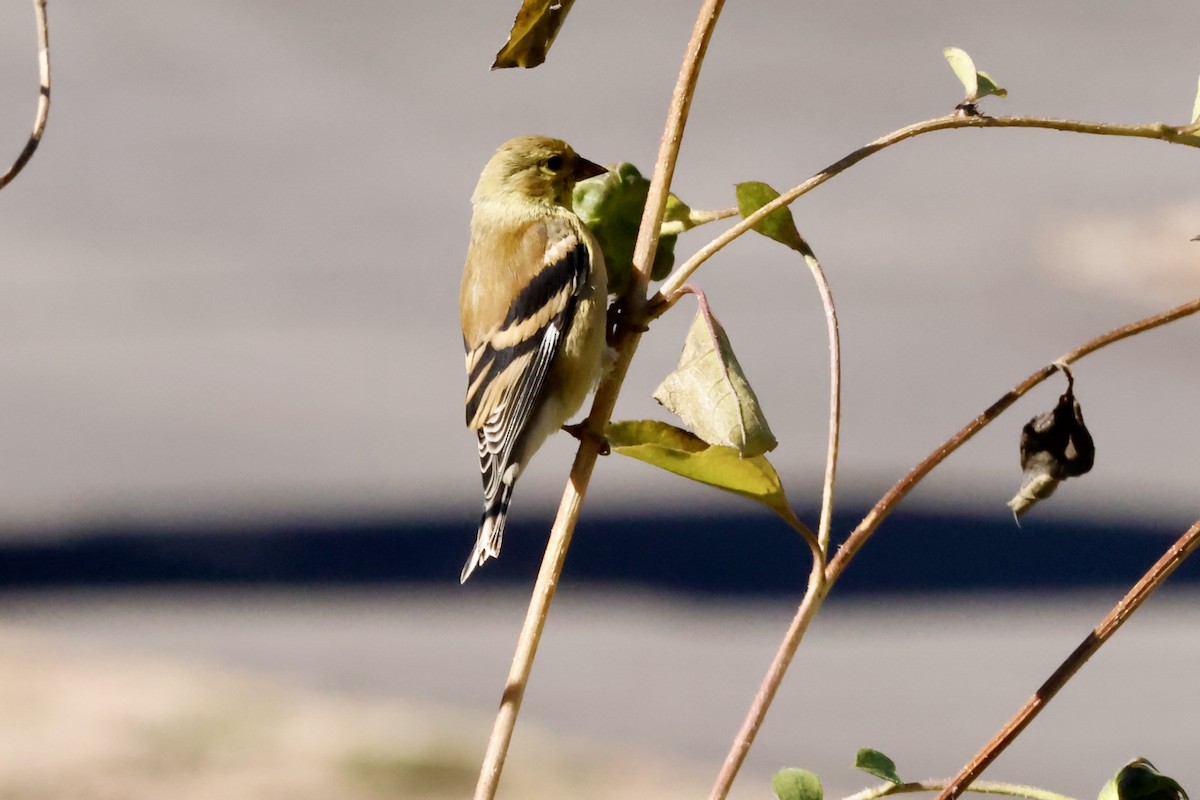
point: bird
(533, 309)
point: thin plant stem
(668, 155)
(1122, 611)
(835, 397)
(662, 300)
(818, 590)
(696, 219)
(625, 342)
(43, 107)
(815, 593)
(979, 787)
(535, 619)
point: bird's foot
(582, 432)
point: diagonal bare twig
(818, 589)
(889, 501)
(1154, 578)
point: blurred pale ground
(83, 719)
(228, 290)
(644, 690)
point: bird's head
(536, 168)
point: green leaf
(676, 450)
(796, 784)
(877, 764)
(677, 211)
(1139, 780)
(533, 31)
(779, 224)
(710, 393)
(988, 86)
(977, 84)
(1196, 105)
(611, 206)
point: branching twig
(813, 599)
(696, 219)
(888, 502)
(43, 109)
(638, 308)
(1153, 579)
(661, 301)
(625, 343)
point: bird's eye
(554, 163)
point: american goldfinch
(533, 315)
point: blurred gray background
(230, 279)
(231, 272)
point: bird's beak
(585, 169)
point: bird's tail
(491, 528)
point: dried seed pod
(1054, 446)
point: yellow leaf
(675, 450)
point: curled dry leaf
(709, 391)
(1054, 446)
(533, 31)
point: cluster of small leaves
(708, 390)
(794, 783)
(1137, 780)
(611, 206)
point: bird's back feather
(508, 363)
